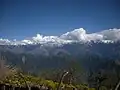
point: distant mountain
(101, 49)
(90, 54)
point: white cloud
(94, 36)
(38, 37)
(111, 34)
(27, 41)
(81, 35)
(76, 35)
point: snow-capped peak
(77, 35)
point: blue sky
(26, 18)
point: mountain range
(94, 50)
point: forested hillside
(89, 64)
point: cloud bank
(76, 35)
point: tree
(74, 74)
(5, 70)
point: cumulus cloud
(38, 37)
(111, 34)
(41, 38)
(77, 34)
(49, 39)
(81, 35)
(93, 37)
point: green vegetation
(17, 80)
(13, 76)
